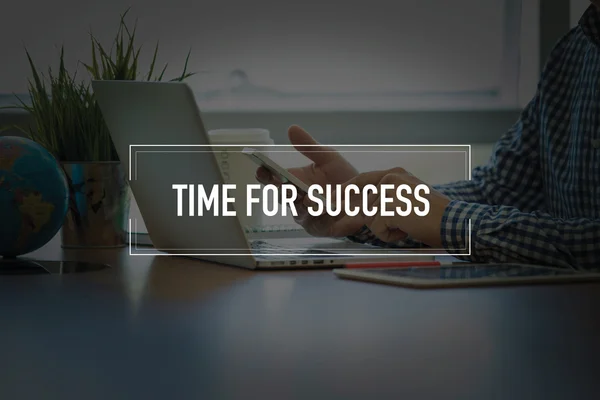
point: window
(273, 55)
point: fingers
(315, 225)
(302, 204)
(346, 225)
(365, 188)
(385, 230)
(309, 147)
(300, 209)
(299, 172)
(265, 177)
(376, 177)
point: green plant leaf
(66, 117)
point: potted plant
(68, 122)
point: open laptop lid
(166, 113)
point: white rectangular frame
(133, 240)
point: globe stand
(22, 266)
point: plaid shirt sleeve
(509, 176)
(520, 206)
(512, 176)
(504, 201)
(507, 234)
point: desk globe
(34, 196)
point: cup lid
(240, 135)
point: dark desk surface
(175, 328)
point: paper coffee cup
(236, 168)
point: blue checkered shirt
(538, 198)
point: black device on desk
(466, 274)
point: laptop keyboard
(261, 247)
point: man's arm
(505, 204)
(507, 234)
(511, 176)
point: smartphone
(263, 160)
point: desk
(175, 328)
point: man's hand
(394, 228)
(328, 167)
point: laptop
(166, 114)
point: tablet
(467, 274)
